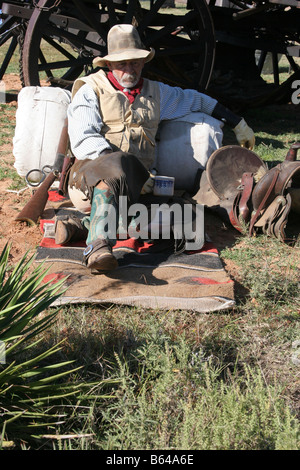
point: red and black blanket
(149, 274)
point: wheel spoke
(8, 55)
(59, 48)
(275, 68)
(157, 35)
(163, 75)
(191, 49)
(150, 15)
(72, 38)
(292, 63)
(131, 10)
(44, 65)
(62, 64)
(112, 13)
(85, 13)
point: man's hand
(244, 135)
(149, 185)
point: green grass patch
(8, 172)
(271, 273)
(178, 400)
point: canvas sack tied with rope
(40, 118)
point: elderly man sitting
(113, 122)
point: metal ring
(88, 250)
(30, 183)
(47, 168)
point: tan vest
(127, 127)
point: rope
(55, 4)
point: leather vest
(128, 127)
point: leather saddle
(240, 187)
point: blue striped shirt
(85, 120)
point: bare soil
(19, 235)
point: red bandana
(129, 92)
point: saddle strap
(240, 210)
(279, 228)
(265, 198)
(270, 214)
(247, 183)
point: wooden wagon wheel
(11, 29)
(277, 28)
(246, 37)
(74, 32)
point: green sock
(103, 220)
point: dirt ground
(22, 237)
(19, 235)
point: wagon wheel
(183, 39)
(280, 34)
(247, 37)
(11, 30)
(54, 48)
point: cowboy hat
(124, 43)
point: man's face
(127, 72)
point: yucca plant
(34, 393)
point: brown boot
(98, 256)
(69, 229)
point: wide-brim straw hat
(124, 43)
